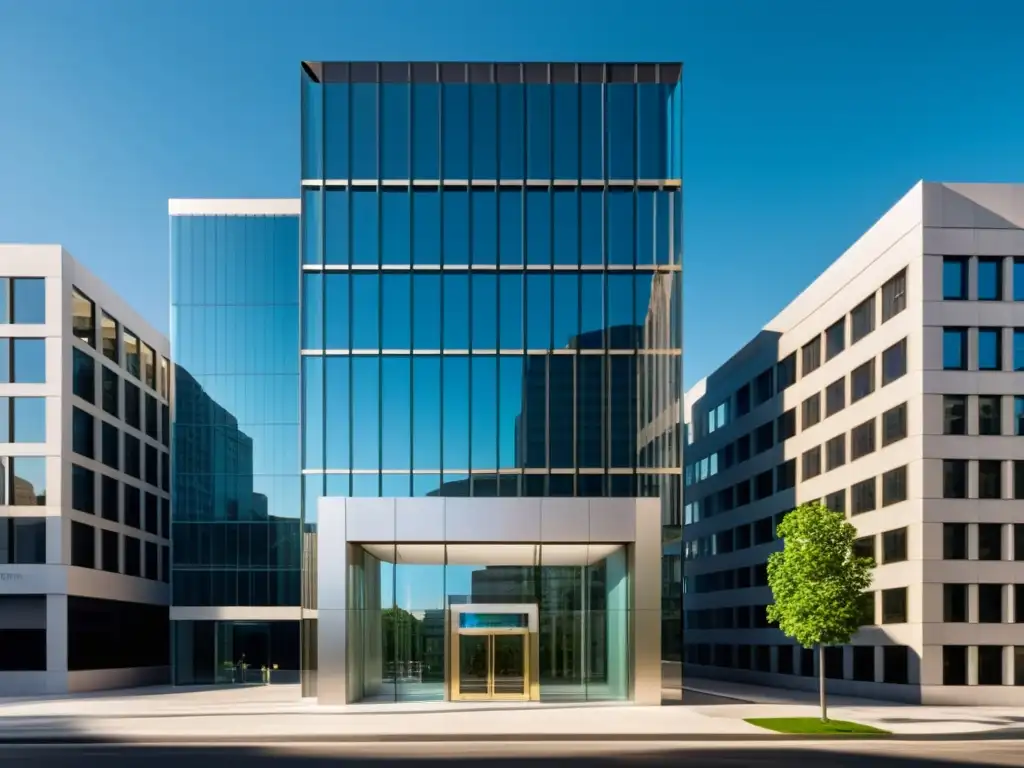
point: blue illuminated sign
(492, 621)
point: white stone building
(85, 507)
(891, 389)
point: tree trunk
(821, 681)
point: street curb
(434, 738)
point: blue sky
(804, 120)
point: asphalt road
(506, 755)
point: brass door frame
(490, 634)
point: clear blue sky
(804, 120)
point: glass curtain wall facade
(490, 292)
(236, 500)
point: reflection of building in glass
(236, 503)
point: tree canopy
(817, 580)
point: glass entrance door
(491, 665)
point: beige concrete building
(892, 389)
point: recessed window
(1018, 415)
(83, 435)
(1018, 479)
(894, 486)
(763, 485)
(990, 541)
(743, 400)
(811, 410)
(25, 484)
(132, 456)
(152, 563)
(954, 665)
(152, 417)
(1018, 279)
(111, 384)
(862, 440)
(764, 437)
(28, 419)
(811, 462)
(1018, 348)
(894, 424)
(990, 665)
(108, 334)
(27, 363)
(894, 606)
(132, 506)
(894, 362)
(23, 542)
(954, 278)
(83, 317)
(866, 615)
(990, 349)
(1018, 553)
(864, 547)
(836, 501)
(110, 499)
(954, 349)
(990, 279)
(954, 541)
(83, 375)
(810, 355)
(862, 497)
(895, 664)
(954, 603)
(785, 372)
(111, 554)
(132, 405)
(743, 448)
(23, 300)
(894, 546)
(990, 479)
(132, 354)
(954, 479)
(787, 424)
(785, 475)
(132, 556)
(894, 295)
(111, 447)
(835, 397)
(165, 381)
(83, 545)
(954, 409)
(83, 489)
(990, 603)
(862, 319)
(862, 381)
(763, 391)
(149, 366)
(835, 339)
(835, 452)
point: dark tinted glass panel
(954, 348)
(954, 278)
(83, 545)
(954, 541)
(990, 279)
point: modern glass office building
(236, 488)
(490, 373)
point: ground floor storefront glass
(428, 622)
(235, 652)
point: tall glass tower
(491, 300)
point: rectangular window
(835, 339)
(811, 463)
(835, 452)
(990, 279)
(894, 362)
(954, 479)
(894, 486)
(785, 372)
(132, 556)
(990, 603)
(990, 541)
(152, 561)
(108, 338)
(1018, 347)
(1018, 415)
(894, 424)
(895, 665)
(1018, 279)
(954, 349)
(763, 485)
(1018, 479)
(836, 502)
(83, 489)
(742, 493)
(894, 546)
(954, 541)
(83, 545)
(954, 278)
(152, 514)
(862, 381)
(110, 499)
(810, 355)
(786, 425)
(763, 390)
(132, 360)
(894, 295)
(990, 665)
(811, 410)
(785, 475)
(862, 497)
(954, 409)
(83, 376)
(954, 603)
(990, 479)
(23, 542)
(132, 456)
(764, 437)
(864, 547)
(132, 506)
(149, 366)
(83, 317)
(954, 665)
(835, 397)
(862, 440)
(27, 361)
(862, 319)
(28, 419)
(743, 400)
(152, 466)
(1018, 651)
(152, 417)
(110, 383)
(864, 663)
(742, 448)
(894, 606)
(111, 556)
(990, 349)
(132, 405)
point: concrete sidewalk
(278, 714)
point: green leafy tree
(817, 581)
